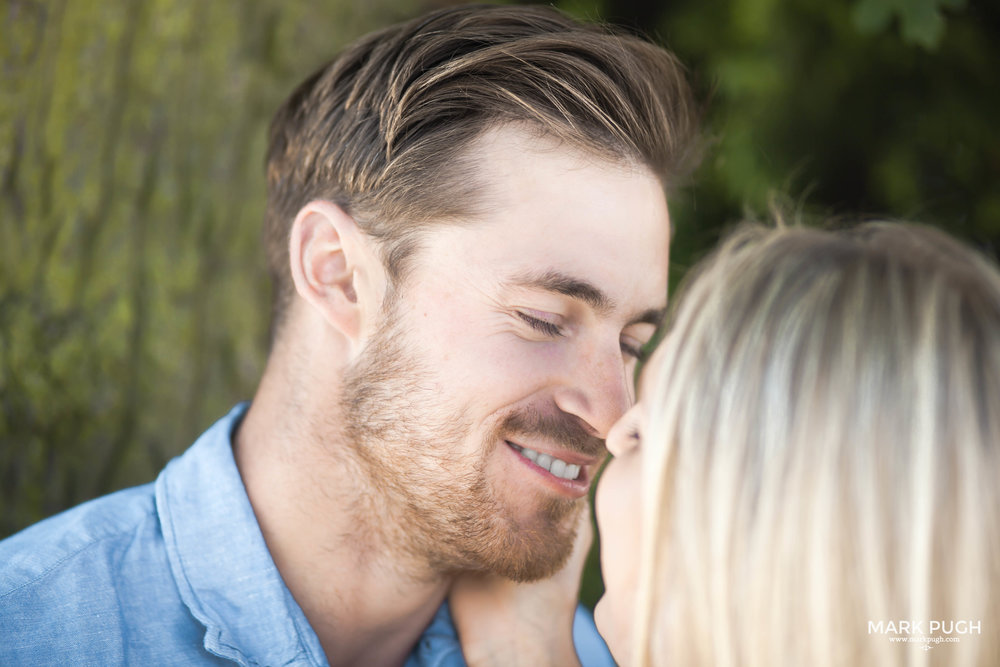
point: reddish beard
(426, 500)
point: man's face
(479, 408)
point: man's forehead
(556, 220)
(507, 151)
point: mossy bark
(134, 302)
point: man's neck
(367, 603)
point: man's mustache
(567, 430)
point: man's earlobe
(328, 256)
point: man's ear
(335, 269)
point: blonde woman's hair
(824, 455)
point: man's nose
(597, 389)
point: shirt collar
(220, 561)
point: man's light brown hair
(386, 129)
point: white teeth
(557, 467)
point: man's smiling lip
(566, 455)
(577, 486)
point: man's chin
(529, 553)
(534, 566)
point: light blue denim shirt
(175, 573)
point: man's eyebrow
(592, 295)
(561, 283)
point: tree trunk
(134, 302)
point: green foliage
(921, 21)
(883, 108)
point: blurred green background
(133, 295)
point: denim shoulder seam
(44, 573)
(73, 554)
